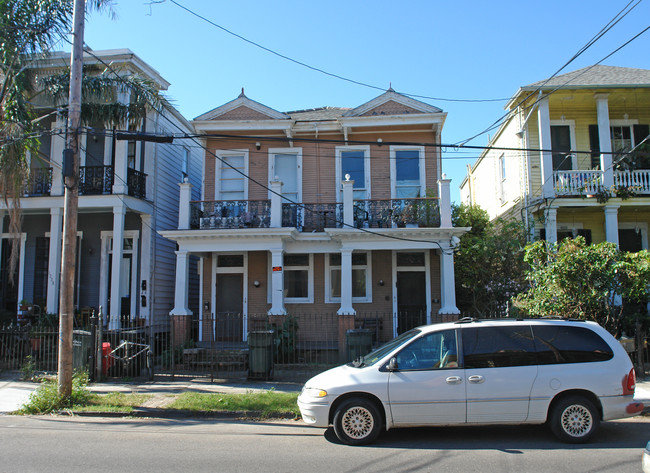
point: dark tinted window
(495, 347)
(565, 344)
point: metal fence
(290, 347)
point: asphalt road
(74, 444)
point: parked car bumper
(618, 407)
(314, 412)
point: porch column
(145, 268)
(611, 223)
(115, 309)
(121, 156)
(605, 140)
(447, 283)
(346, 283)
(54, 260)
(277, 283)
(348, 203)
(276, 204)
(21, 270)
(551, 225)
(444, 193)
(181, 306)
(544, 121)
(56, 160)
(184, 211)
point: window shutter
(640, 133)
(594, 145)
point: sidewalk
(14, 393)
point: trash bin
(358, 342)
(260, 354)
(82, 344)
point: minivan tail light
(629, 382)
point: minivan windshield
(376, 355)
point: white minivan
(571, 374)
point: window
(407, 172)
(624, 135)
(285, 164)
(502, 172)
(355, 162)
(231, 167)
(561, 146)
(298, 278)
(632, 237)
(436, 350)
(184, 164)
(361, 284)
(564, 344)
(497, 347)
(41, 259)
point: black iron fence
(230, 345)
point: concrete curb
(146, 412)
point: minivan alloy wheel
(357, 421)
(574, 419)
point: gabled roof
(318, 114)
(597, 76)
(391, 103)
(242, 108)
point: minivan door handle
(454, 380)
(476, 379)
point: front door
(230, 307)
(411, 300)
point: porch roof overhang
(331, 240)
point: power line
(322, 71)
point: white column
(604, 138)
(277, 283)
(181, 306)
(447, 282)
(544, 121)
(54, 260)
(444, 193)
(56, 160)
(551, 225)
(346, 283)
(276, 204)
(121, 156)
(184, 211)
(145, 266)
(611, 223)
(348, 203)
(115, 310)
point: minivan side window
(497, 347)
(566, 344)
(435, 350)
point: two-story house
(570, 159)
(322, 211)
(128, 189)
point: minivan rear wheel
(357, 422)
(574, 419)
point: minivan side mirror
(392, 364)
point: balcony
(315, 217)
(95, 180)
(583, 183)
(39, 182)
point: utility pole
(71, 204)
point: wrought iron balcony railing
(95, 180)
(39, 182)
(230, 214)
(136, 182)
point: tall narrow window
(298, 278)
(561, 146)
(231, 171)
(407, 166)
(355, 162)
(502, 172)
(184, 164)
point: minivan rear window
(568, 344)
(498, 347)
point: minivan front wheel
(574, 419)
(357, 422)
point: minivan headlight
(314, 392)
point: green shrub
(46, 398)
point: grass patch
(113, 402)
(46, 398)
(265, 403)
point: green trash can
(260, 354)
(82, 344)
(358, 342)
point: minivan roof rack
(466, 320)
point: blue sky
(461, 49)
